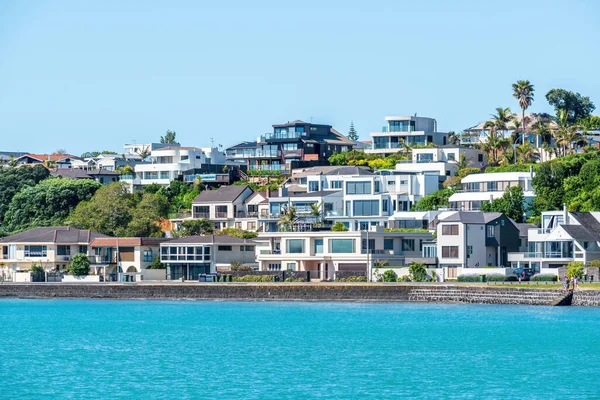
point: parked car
(524, 273)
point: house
(405, 131)
(480, 188)
(225, 205)
(323, 253)
(563, 237)
(55, 160)
(101, 175)
(188, 257)
(290, 145)
(128, 257)
(473, 239)
(7, 156)
(50, 247)
(478, 133)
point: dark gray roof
(102, 171)
(53, 234)
(222, 194)
(523, 228)
(472, 217)
(589, 222)
(210, 239)
(579, 232)
(243, 145)
(72, 173)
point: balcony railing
(548, 254)
(244, 214)
(63, 258)
(281, 136)
(269, 167)
(102, 259)
(201, 215)
(220, 214)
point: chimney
(565, 214)
(268, 194)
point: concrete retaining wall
(289, 291)
(586, 298)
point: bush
(156, 264)
(37, 268)
(575, 269)
(545, 278)
(495, 278)
(594, 264)
(468, 278)
(403, 278)
(253, 278)
(295, 280)
(80, 265)
(511, 278)
(357, 278)
(339, 227)
(417, 272)
(389, 276)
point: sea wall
(293, 291)
(586, 298)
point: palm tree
(502, 118)
(453, 138)
(144, 152)
(523, 91)
(541, 128)
(288, 219)
(462, 162)
(527, 152)
(315, 212)
(494, 141)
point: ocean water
(86, 349)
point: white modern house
(563, 237)
(480, 188)
(400, 131)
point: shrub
(156, 264)
(468, 278)
(594, 264)
(575, 269)
(389, 276)
(417, 272)
(545, 278)
(357, 278)
(403, 278)
(339, 227)
(295, 280)
(511, 278)
(253, 278)
(495, 278)
(80, 265)
(37, 268)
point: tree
(169, 137)
(523, 92)
(574, 105)
(316, 213)
(13, 180)
(288, 219)
(144, 152)
(453, 138)
(417, 272)
(575, 269)
(495, 140)
(60, 152)
(352, 134)
(80, 265)
(389, 276)
(512, 204)
(156, 264)
(433, 201)
(237, 232)
(527, 153)
(339, 227)
(194, 227)
(48, 203)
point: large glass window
(295, 246)
(36, 251)
(491, 231)
(449, 251)
(342, 245)
(318, 246)
(388, 244)
(358, 188)
(313, 186)
(336, 184)
(366, 207)
(147, 255)
(63, 251)
(408, 244)
(290, 146)
(450, 230)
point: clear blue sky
(93, 75)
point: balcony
(63, 258)
(102, 259)
(281, 136)
(221, 214)
(201, 215)
(244, 214)
(269, 167)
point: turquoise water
(242, 350)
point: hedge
(545, 278)
(468, 278)
(495, 278)
(357, 278)
(253, 278)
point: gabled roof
(46, 157)
(223, 194)
(243, 145)
(127, 241)
(71, 173)
(579, 232)
(211, 239)
(523, 228)
(472, 217)
(102, 171)
(54, 234)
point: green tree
(352, 134)
(156, 264)
(433, 201)
(12, 180)
(193, 227)
(80, 265)
(512, 204)
(316, 212)
(575, 269)
(339, 227)
(389, 276)
(417, 272)
(169, 138)
(527, 153)
(48, 203)
(288, 219)
(237, 232)
(574, 105)
(523, 91)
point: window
(290, 146)
(449, 251)
(63, 251)
(490, 231)
(388, 244)
(449, 230)
(376, 186)
(185, 158)
(164, 174)
(318, 246)
(147, 255)
(341, 246)
(36, 251)
(274, 267)
(336, 184)
(404, 182)
(366, 207)
(83, 249)
(451, 156)
(358, 188)
(313, 186)
(469, 250)
(247, 248)
(238, 225)
(408, 244)
(347, 214)
(224, 248)
(291, 266)
(251, 226)
(368, 246)
(480, 157)
(295, 246)
(303, 181)
(384, 205)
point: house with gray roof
(101, 175)
(50, 247)
(562, 238)
(473, 239)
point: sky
(94, 75)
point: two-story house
(472, 239)
(226, 207)
(50, 160)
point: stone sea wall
(298, 292)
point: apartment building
(405, 131)
(473, 239)
(562, 238)
(323, 253)
(480, 188)
(188, 257)
(295, 143)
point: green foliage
(156, 264)
(594, 264)
(414, 230)
(237, 232)
(273, 184)
(180, 195)
(495, 278)
(80, 265)
(253, 278)
(339, 227)
(12, 180)
(37, 268)
(48, 203)
(295, 280)
(260, 172)
(433, 201)
(417, 272)
(359, 158)
(357, 278)
(468, 278)
(575, 269)
(574, 105)
(403, 278)
(193, 227)
(169, 138)
(544, 278)
(352, 134)
(389, 276)
(511, 168)
(512, 204)
(237, 266)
